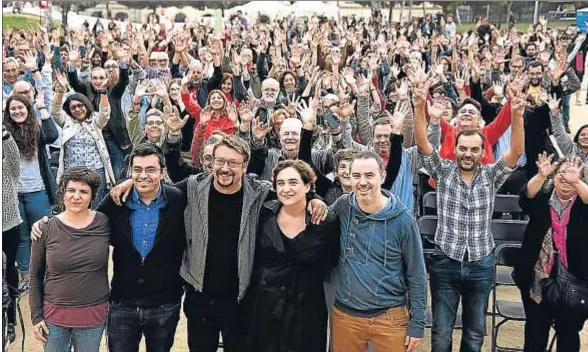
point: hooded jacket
(381, 261)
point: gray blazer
(255, 193)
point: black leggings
(10, 240)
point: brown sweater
(69, 266)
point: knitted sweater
(10, 177)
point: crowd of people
(271, 174)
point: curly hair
(225, 104)
(77, 174)
(306, 173)
(26, 134)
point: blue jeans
(117, 156)
(101, 189)
(32, 206)
(82, 339)
(565, 109)
(127, 324)
(450, 280)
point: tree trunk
(410, 11)
(508, 10)
(402, 13)
(391, 4)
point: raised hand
(460, 80)
(245, 112)
(544, 165)
(307, 112)
(205, 115)
(61, 80)
(349, 75)
(571, 170)
(436, 109)
(160, 89)
(30, 60)
(296, 55)
(259, 130)
(346, 109)
(553, 104)
(141, 89)
(291, 107)
(172, 119)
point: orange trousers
(386, 332)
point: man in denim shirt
(381, 280)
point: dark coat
(285, 303)
(49, 134)
(155, 280)
(539, 223)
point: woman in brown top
(69, 280)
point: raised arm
(420, 125)
(517, 138)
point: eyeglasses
(233, 164)
(77, 107)
(208, 158)
(154, 123)
(111, 67)
(148, 170)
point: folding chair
(506, 255)
(508, 204)
(507, 232)
(430, 204)
(427, 227)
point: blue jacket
(381, 261)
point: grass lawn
(23, 21)
(521, 26)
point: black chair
(506, 255)
(430, 203)
(507, 232)
(506, 206)
(427, 227)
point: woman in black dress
(286, 301)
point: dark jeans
(127, 324)
(450, 280)
(568, 324)
(101, 190)
(207, 318)
(10, 239)
(117, 156)
(565, 109)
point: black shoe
(11, 332)
(567, 127)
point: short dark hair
(344, 154)
(382, 120)
(468, 133)
(530, 44)
(471, 101)
(370, 154)
(306, 173)
(237, 144)
(146, 149)
(82, 174)
(535, 64)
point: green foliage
(22, 21)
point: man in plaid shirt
(462, 264)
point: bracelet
(35, 71)
(102, 91)
(42, 108)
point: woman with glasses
(36, 183)
(82, 143)
(69, 276)
(285, 303)
(555, 242)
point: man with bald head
(115, 133)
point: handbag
(563, 289)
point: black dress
(285, 303)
